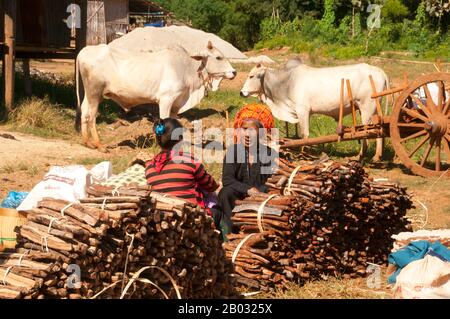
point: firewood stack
(334, 221)
(113, 235)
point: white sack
(66, 183)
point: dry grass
(30, 169)
(41, 117)
(333, 288)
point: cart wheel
(420, 125)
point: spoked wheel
(420, 125)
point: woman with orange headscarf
(248, 163)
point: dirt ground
(25, 159)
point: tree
(328, 15)
(437, 9)
(394, 10)
(420, 17)
(356, 5)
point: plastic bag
(100, 173)
(427, 278)
(13, 199)
(66, 183)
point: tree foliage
(310, 24)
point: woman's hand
(253, 192)
(218, 188)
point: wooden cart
(419, 128)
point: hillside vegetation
(335, 28)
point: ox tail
(77, 88)
(387, 86)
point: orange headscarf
(258, 112)
(255, 111)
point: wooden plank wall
(40, 23)
(96, 26)
(117, 18)
(58, 34)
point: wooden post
(352, 102)
(340, 130)
(8, 57)
(81, 33)
(26, 76)
(377, 99)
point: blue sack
(414, 251)
(14, 199)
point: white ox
(297, 91)
(170, 78)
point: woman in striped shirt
(178, 173)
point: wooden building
(47, 29)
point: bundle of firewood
(263, 252)
(126, 242)
(327, 219)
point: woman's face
(249, 132)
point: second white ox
(297, 91)
(170, 78)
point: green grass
(243, 67)
(90, 161)
(224, 99)
(215, 169)
(120, 164)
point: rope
(261, 211)
(138, 273)
(128, 254)
(249, 294)
(147, 281)
(44, 239)
(239, 246)
(287, 190)
(6, 274)
(104, 289)
(66, 207)
(103, 204)
(51, 223)
(426, 214)
(19, 263)
(115, 191)
(144, 280)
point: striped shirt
(179, 175)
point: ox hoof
(102, 149)
(89, 145)
(376, 159)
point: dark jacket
(240, 176)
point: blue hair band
(160, 129)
